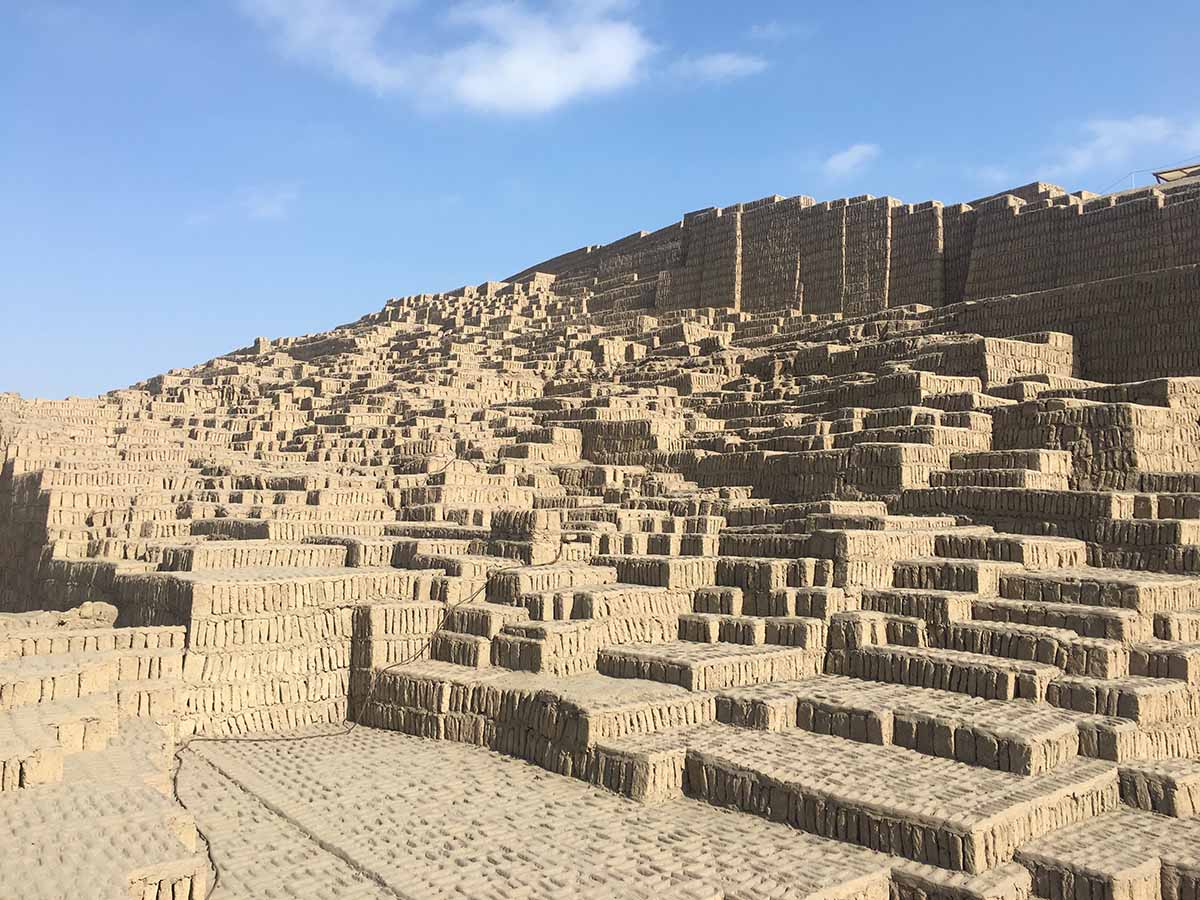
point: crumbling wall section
(916, 272)
(771, 253)
(867, 254)
(1131, 328)
(822, 258)
(859, 255)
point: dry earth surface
(382, 815)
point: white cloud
(340, 35)
(719, 66)
(853, 159)
(529, 62)
(1110, 144)
(508, 57)
(775, 30)
(268, 203)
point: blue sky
(177, 178)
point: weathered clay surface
(840, 550)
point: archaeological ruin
(846, 550)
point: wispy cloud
(341, 36)
(775, 30)
(270, 203)
(53, 14)
(991, 174)
(1107, 145)
(853, 159)
(198, 218)
(505, 57)
(258, 203)
(719, 66)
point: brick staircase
(86, 755)
(909, 577)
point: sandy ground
(382, 815)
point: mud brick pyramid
(879, 521)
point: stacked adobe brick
(750, 510)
